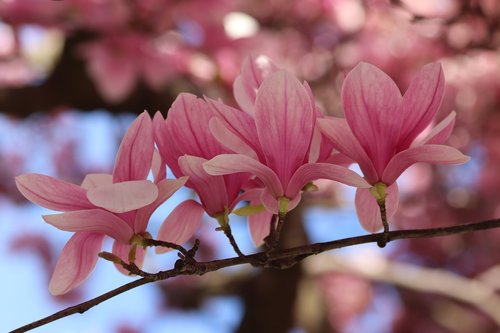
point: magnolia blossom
(118, 205)
(380, 132)
(253, 72)
(274, 143)
(185, 143)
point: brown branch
(280, 259)
(169, 245)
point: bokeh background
(74, 73)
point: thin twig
(383, 214)
(154, 242)
(278, 259)
(277, 232)
(229, 235)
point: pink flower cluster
(265, 152)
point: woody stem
(385, 235)
(227, 231)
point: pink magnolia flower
(276, 148)
(185, 143)
(380, 132)
(117, 205)
(236, 130)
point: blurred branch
(280, 259)
(430, 280)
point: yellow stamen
(379, 192)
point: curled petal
(76, 262)
(368, 209)
(96, 179)
(312, 171)
(181, 224)
(166, 188)
(134, 157)
(125, 196)
(440, 132)
(226, 164)
(434, 154)
(52, 193)
(92, 220)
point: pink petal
(421, 102)
(313, 171)
(260, 226)
(339, 159)
(372, 106)
(161, 137)
(315, 148)
(253, 71)
(237, 122)
(285, 123)
(369, 211)
(434, 154)
(440, 132)
(270, 201)
(230, 139)
(96, 179)
(181, 224)
(52, 193)
(234, 163)
(92, 220)
(211, 189)
(122, 250)
(158, 167)
(337, 130)
(252, 195)
(166, 188)
(187, 126)
(243, 99)
(134, 157)
(114, 74)
(125, 196)
(76, 262)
